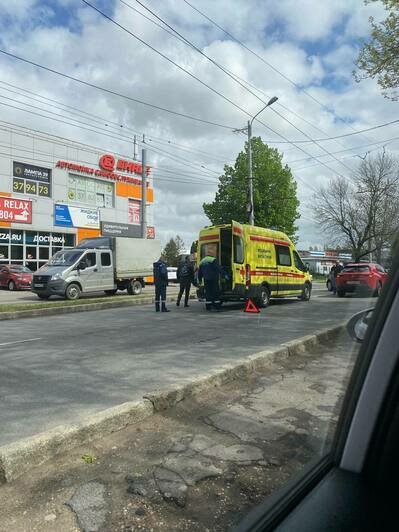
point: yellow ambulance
(260, 263)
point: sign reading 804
(25, 186)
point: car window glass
(90, 259)
(298, 262)
(283, 255)
(105, 259)
(356, 269)
(238, 249)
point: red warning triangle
(251, 307)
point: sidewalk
(198, 466)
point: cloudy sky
(302, 51)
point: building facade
(321, 262)
(55, 192)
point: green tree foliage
(379, 58)
(172, 250)
(275, 201)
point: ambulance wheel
(306, 292)
(263, 300)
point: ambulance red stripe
(258, 238)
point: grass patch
(11, 307)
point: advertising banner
(15, 210)
(119, 229)
(29, 171)
(67, 216)
(134, 212)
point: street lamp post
(251, 214)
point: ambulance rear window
(238, 249)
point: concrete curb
(20, 456)
(52, 311)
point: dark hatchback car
(365, 277)
(15, 277)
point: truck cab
(75, 271)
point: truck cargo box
(134, 257)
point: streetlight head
(272, 101)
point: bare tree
(362, 212)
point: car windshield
(356, 269)
(65, 258)
(203, 192)
(19, 269)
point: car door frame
(286, 275)
(365, 421)
(90, 277)
(107, 272)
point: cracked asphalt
(198, 466)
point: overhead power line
(287, 78)
(164, 56)
(208, 86)
(34, 96)
(106, 133)
(218, 65)
(114, 93)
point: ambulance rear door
(238, 257)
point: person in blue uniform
(161, 282)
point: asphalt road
(59, 369)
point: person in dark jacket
(335, 270)
(161, 282)
(210, 271)
(185, 276)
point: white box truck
(105, 264)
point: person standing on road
(161, 282)
(210, 271)
(335, 270)
(185, 276)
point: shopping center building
(55, 192)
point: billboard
(15, 210)
(67, 216)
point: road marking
(20, 342)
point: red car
(15, 277)
(363, 276)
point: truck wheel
(329, 285)
(72, 292)
(341, 293)
(111, 292)
(263, 299)
(134, 288)
(42, 296)
(306, 293)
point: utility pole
(135, 148)
(250, 207)
(143, 193)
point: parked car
(15, 277)
(363, 276)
